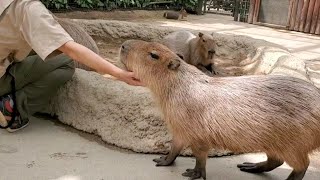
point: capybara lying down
(276, 114)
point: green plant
(188, 4)
(56, 4)
(89, 3)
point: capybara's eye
(154, 55)
(203, 40)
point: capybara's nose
(212, 51)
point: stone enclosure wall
(126, 116)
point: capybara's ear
(174, 64)
(200, 34)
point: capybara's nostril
(212, 51)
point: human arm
(87, 57)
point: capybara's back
(178, 42)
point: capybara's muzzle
(125, 49)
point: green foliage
(89, 3)
(111, 4)
(188, 4)
(56, 4)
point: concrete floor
(305, 46)
(49, 150)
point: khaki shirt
(27, 25)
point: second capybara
(195, 50)
(181, 15)
(275, 114)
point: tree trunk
(251, 10)
(315, 17)
(298, 16)
(293, 14)
(256, 11)
(304, 14)
(309, 16)
(290, 13)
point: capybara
(195, 50)
(181, 15)
(275, 114)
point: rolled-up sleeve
(41, 31)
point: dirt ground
(109, 49)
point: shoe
(6, 110)
(6, 104)
(18, 124)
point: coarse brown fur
(181, 15)
(279, 115)
(195, 50)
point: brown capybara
(195, 50)
(278, 115)
(181, 15)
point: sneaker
(18, 124)
(6, 110)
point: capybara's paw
(195, 173)
(163, 161)
(296, 175)
(251, 167)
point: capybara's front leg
(260, 167)
(199, 170)
(205, 70)
(176, 147)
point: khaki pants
(36, 81)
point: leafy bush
(112, 4)
(56, 4)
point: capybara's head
(148, 59)
(207, 45)
(183, 12)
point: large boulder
(126, 116)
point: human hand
(128, 77)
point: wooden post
(236, 10)
(309, 16)
(318, 25)
(304, 14)
(289, 13)
(298, 16)
(315, 17)
(256, 11)
(293, 14)
(251, 10)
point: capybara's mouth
(210, 55)
(209, 67)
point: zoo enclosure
(296, 15)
